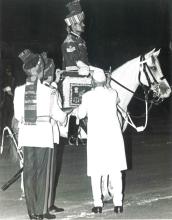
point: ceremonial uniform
(56, 154)
(37, 140)
(37, 110)
(58, 149)
(73, 49)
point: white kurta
(105, 145)
(41, 134)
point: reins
(139, 98)
(125, 114)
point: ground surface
(148, 188)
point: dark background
(116, 31)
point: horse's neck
(127, 75)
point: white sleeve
(18, 108)
(56, 112)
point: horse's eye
(153, 68)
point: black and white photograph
(85, 109)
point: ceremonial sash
(30, 102)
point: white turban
(97, 74)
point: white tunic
(105, 145)
(41, 134)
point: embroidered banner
(73, 89)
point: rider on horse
(74, 52)
(74, 47)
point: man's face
(50, 79)
(79, 27)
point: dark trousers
(57, 164)
(36, 177)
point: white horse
(145, 71)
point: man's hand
(67, 110)
(83, 68)
(75, 112)
(8, 90)
(58, 74)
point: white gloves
(83, 68)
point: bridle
(148, 91)
(152, 91)
(153, 96)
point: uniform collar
(74, 34)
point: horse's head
(151, 76)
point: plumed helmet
(76, 15)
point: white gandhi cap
(97, 74)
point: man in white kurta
(105, 145)
(37, 139)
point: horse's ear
(149, 54)
(156, 53)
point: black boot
(118, 209)
(72, 131)
(54, 209)
(97, 209)
(38, 217)
(49, 216)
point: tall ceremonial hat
(97, 74)
(76, 15)
(29, 59)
